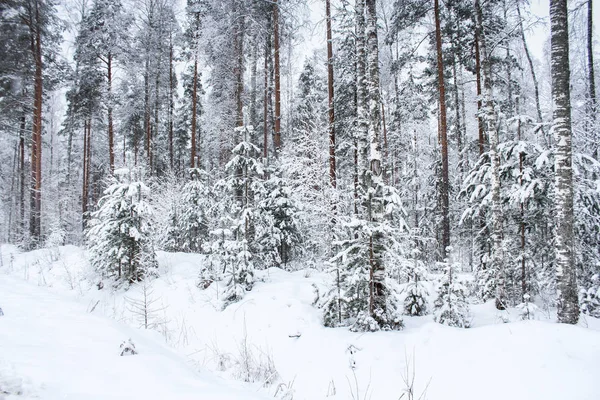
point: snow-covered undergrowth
(56, 340)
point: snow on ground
(60, 341)
(51, 348)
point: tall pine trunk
(36, 140)
(331, 111)
(277, 135)
(444, 195)
(566, 283)
(171, 100)
(194, 113)
(111, 146)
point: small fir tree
(451, 307)
(120, 237)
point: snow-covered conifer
(451, 307)
(120, 237)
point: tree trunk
(36, 142)
(362, 124)
(111, 148)
(194, 112)
(566, 283)
(253, 86)
(378, 294)
(331, 113)
(277, 135)
(22, 175)
(497, 260)
(530, 62)
(445, 203)
(147, 125)
(238, 48)
(84, 190)
(171, 101)
(480, 128)
(590, 53)
(522, 211)
(266, 100)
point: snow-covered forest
(344, 199)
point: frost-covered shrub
(527, 309)
(451, 307)
(127, 348)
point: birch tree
(566, 283)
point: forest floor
(60, 337)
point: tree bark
(480, 128)
(566, 283)
(378, 293)
(194, 112)
(531, 68)
(277, 135)
(266, 100)
(22, 175)
(111, 148)
(331, 111)
(497, 259)
(590, 54)
(362, 124)
(36, 142)
(84, 190)
(445, 203)
(171, 100)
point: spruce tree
(120, 236)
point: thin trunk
(566, 282)
(522, 212)
(171, 101)
(10, 234)
(277, 135)
(385, 142)
(84, 190)
(253, 86)
(331, 111)
(238, 47)
(590, 53)
(459, 138)
(111, 149)
(266, 101)
(36, 143)
(22, 174)
(531, 68)
(194, 112)
(147, 125)
(497, 259)
(445, 203)
(480, 128)
(156, 110)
